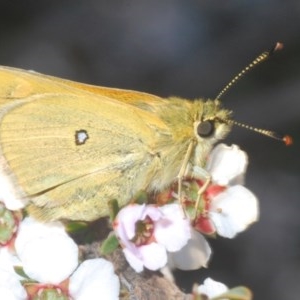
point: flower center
(48, 291)
(143, 232)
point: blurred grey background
(192, 49)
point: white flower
(94, 279)
(212, 288)
(225, 209)
(47, 253)
(229, 207)
(147, 232)
(235, 208)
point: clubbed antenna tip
(288, 140)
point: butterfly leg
(184, 170)
(199, 172)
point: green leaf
(237, 293)
(19, 270)
(109, 245)
(76, 226)
(140, 197)
(113, 207)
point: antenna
(259, 59)
(288, 140)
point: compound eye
(206, 128)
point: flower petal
(47, 253)
(8, 195)
(134, 261)
(31, 229)
(8, 260)
(50, 260)
(153, 212)
(12, 291)
(173, 230)
(227, 164)
(95, 279)
(233, 210)
(193, 256)
(154, 256)
(10, 285)
(212, 288)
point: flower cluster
(48, 258)
(42, 259)
(227, 207)
(153, 236)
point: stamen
(143, 231)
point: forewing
(60, 144)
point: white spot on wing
(81, 136)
